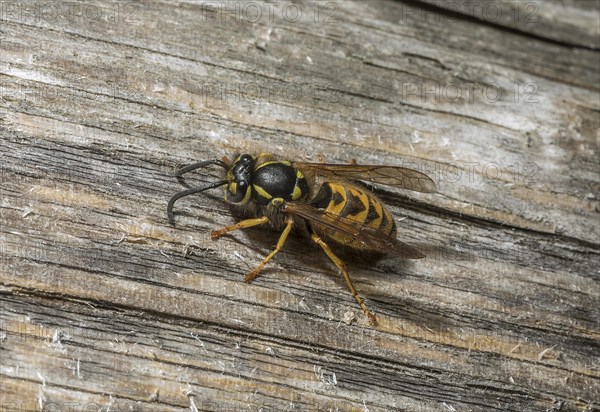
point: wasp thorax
(239, 189)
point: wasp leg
(215, 234)
(340, 265)
(280, 243)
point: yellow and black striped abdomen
(355, 203)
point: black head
(239, 178)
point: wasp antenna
(186, 193)
(179, 172)
(198, 165)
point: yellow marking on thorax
(262, 192)
(270, 162)
(297, 193)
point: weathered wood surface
(102, 310)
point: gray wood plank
(104, 304)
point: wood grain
(105, 306)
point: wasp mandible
(325, 201)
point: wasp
(327, 202)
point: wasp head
(239, 180)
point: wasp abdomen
(353, 203)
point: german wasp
(326, 202)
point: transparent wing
(402, 177)
(371, 238)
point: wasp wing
(368, 236)
(398, 176)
